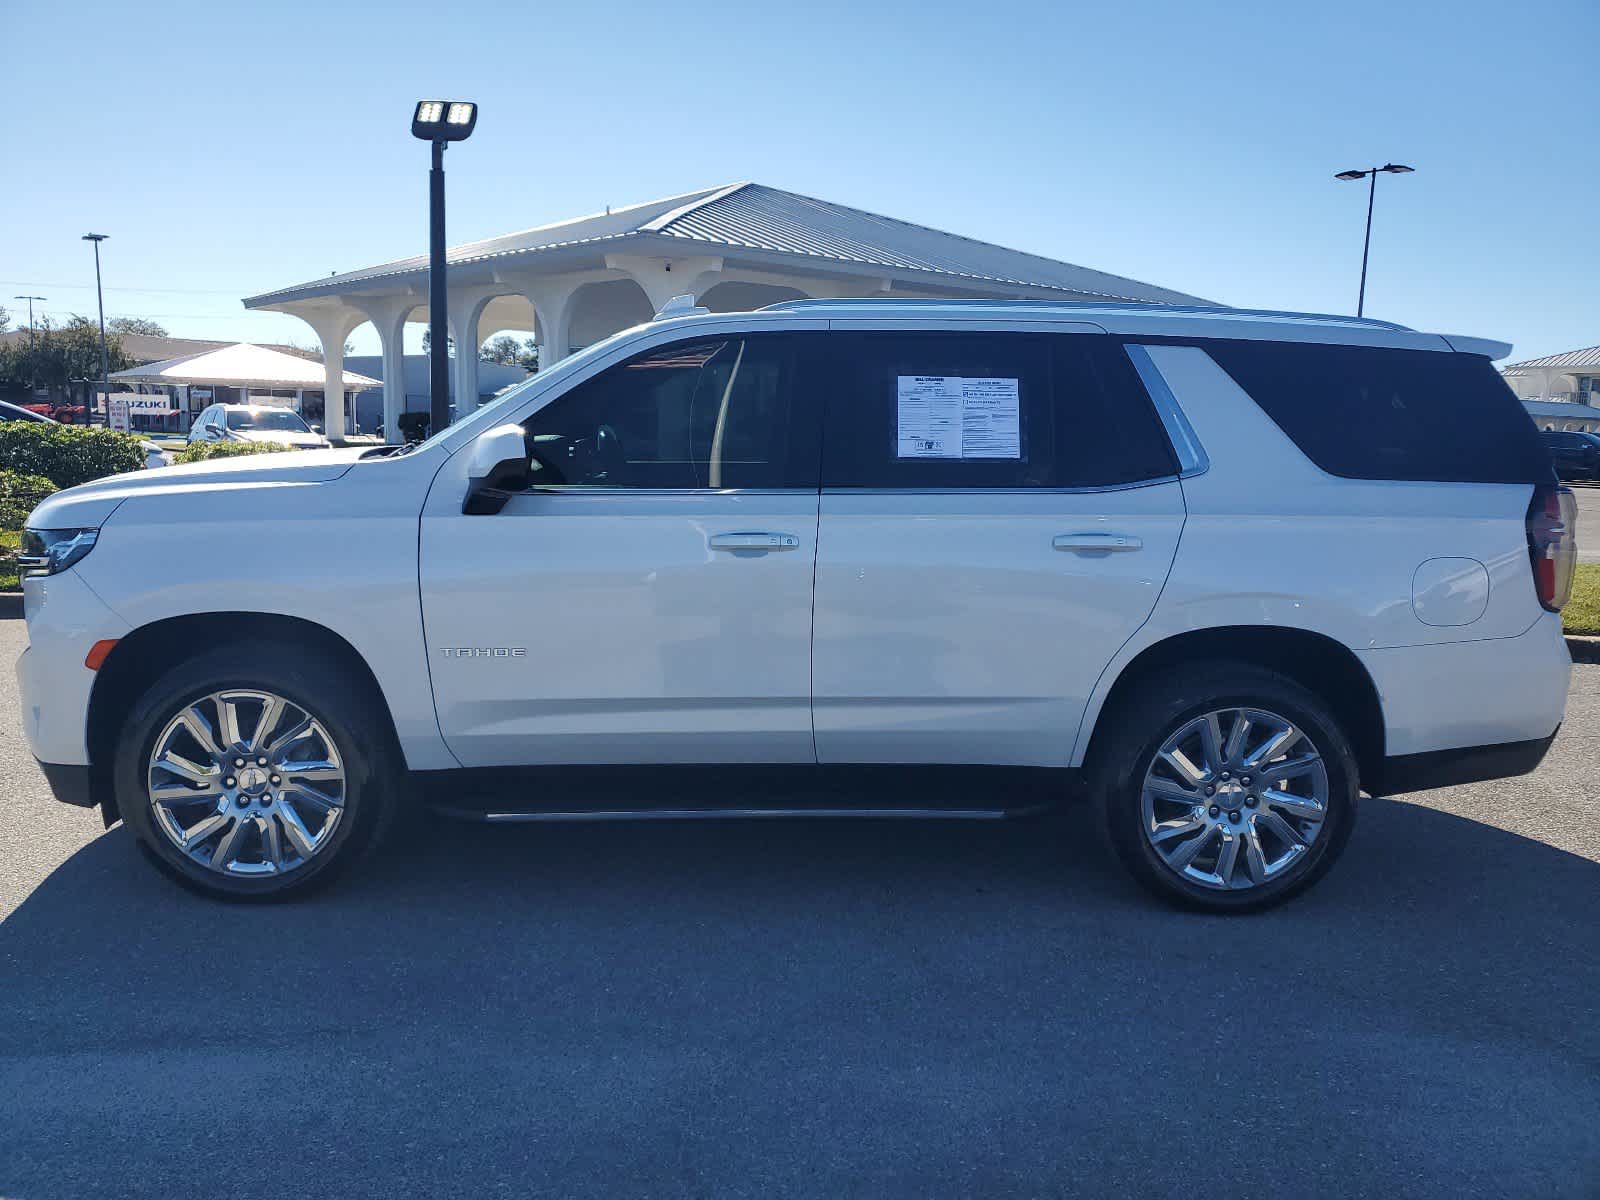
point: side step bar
(723, 814)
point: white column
(552, 305)
(466, 313)
(332, 327)
(388, 316)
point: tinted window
(986, 410)
(707, 414)
(1369, 413)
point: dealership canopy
(732, 248)
(241, 365)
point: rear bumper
(1448, 768)
(1475, 695)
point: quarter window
(719, 413)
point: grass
(1582, 613)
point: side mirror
(498, 468)
(316, 428)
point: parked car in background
(1575, 455)
(1219, 570)
(255, 423)
(154, 455)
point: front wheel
(255, 771)
(1228, 787)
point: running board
(723, 814)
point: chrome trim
(995, 491)
(596, 489)
(1192, 458)
(706, 814)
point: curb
(10, 604)
(1583, 649)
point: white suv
(1221, 569)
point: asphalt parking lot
(821, 1009)
(1588, 521)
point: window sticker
(949, 416)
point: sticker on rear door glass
(952, 416)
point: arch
(604, 307)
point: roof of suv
(1157, 320)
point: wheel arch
(141, 656)
(1317, 662)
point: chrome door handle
(1098, 543)
(754, 541)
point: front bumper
(70, 783)
(65, 618)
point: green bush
(200, 451)
(67, 455)
(19, 495)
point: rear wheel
(1228, 787)
(256, 771)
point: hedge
(19, 495)
(67, 455)
(200, 451)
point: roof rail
(1218, 310)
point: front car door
(648, 598)
(999, 514)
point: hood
(89, 504)
(285, 437)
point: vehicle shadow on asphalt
(689, 986)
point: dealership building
(732, 248)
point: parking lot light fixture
(440, 122)
(1372, 174)
(99, 295)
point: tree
(5, 320)
(142, 325)
(57, 355)
(427, 344)
(508, 351)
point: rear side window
(1369, 413)
(986, 410)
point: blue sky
(231, 149)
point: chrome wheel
(1234, 798)
(246, 783)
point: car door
(648, 598)
(999, 514)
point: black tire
(374, 785)
(1141, 722)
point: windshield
(278, 420)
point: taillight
(1553, 543)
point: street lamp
(1366, 245)
(105, 357)
(440, 122)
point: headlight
(51, 551)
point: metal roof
(1587, 357)
(752, 217)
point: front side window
(275, 420)
(718, 413)
(937, 410)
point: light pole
(105, 356)
(440, 122)
(1366, 244)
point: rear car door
(999, 514)
(648, 598)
